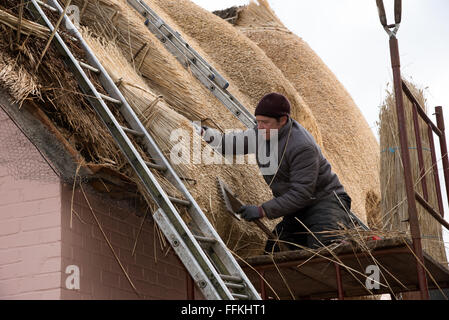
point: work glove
(250, 213)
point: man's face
(265, 124)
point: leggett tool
(233, 204)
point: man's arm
(303, 176)
(234, 143)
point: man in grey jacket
(307, 194)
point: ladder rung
(179, 201)
(240, 296)
(206, 240)
(108, 98)
(85, 65)
(47, 6)
(231, 278)
(156, 166)
(133, 132)
(234, 285)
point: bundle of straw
(394, 202)
(18, 81)
(26, 27)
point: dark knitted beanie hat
(273, 105)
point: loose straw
(109, 243)
(53, 33)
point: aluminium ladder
(209, 262)
(188, 57)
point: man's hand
(250, 213)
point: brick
(91, 272)
(9, 227)
(20, 240)
(110, 279)
(72, 238)
(70, 294)
(125, 229)
(113, 266)
(107, 223)
(121, 241)
(97, 234)
(148, 247)
(50, 235)
(124, 283)
(99, 292)
(150, 276)
(126, 256)
(146, 288)
(91, 244)
(165, 281)
(106, 250)
(66, 250)
(41, 282)
(54, 294)
(28, 266)
(172, 270)
(82, 256)
(124, 295)
(49, 205)
(9, 256)
(12, 196)
(51, 294)
(11, 271)
(41, 191)
(50, 265)
(16, 210)
(9, 287)
(135, 272)
(145, 261)
(48, 250)
(43, 221)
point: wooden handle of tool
(265, 229)
(270, 234)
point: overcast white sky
(348, 37)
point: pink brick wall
(154, 274)
(30, 228)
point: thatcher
(349, 143)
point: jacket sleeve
(234, 143)
(304, 168)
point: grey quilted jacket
(304, 175)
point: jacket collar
(285, 129)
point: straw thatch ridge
(349, 144)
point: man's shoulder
(301, 138)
